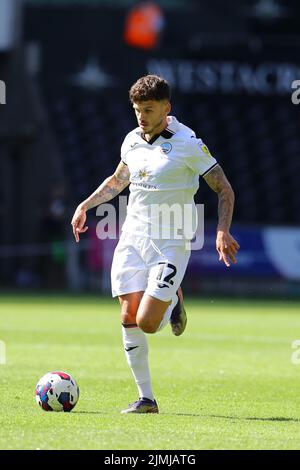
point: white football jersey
(164, 177)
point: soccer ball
(57, 391)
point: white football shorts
(155, 267)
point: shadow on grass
(91, 412)
(239, 418)
(234, 418)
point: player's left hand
(227, 247)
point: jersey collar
(167, 133)
(173, 124)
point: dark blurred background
(67, 66)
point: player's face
(152, 115)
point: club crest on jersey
(166, 147)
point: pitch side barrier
(260, 262)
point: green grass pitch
(227, 383)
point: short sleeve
(124, 150)
(198, 157)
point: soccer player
(161, 160)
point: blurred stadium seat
(255, 140)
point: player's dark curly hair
(150, 87)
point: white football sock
(168, 312)
(136, 351)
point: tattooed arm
(110, 188)
(226, 245)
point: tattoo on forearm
(106, 191)
(217, 181)
(225, 209)
(110, 187)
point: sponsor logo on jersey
(143, 174)
(166, 147)
(144, 185)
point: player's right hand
(78, 222)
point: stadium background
(68, 65)
(232, 380)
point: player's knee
(128, 310)
(146, 325)
(128, 314)
(128, 317)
